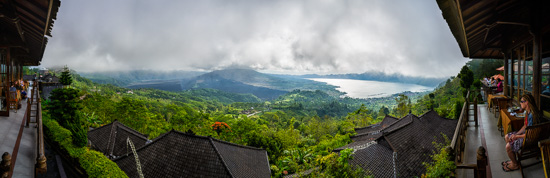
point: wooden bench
(544, 146)
(530, 149)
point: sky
(272, 36)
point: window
(545, 75)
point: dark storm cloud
(297, 37)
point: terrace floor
(488, 136)
(19, 141)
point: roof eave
(452, 14)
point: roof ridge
(220, 156)
(93, 130)
(400, 120)
(238, 145)
(112, 135)
(429, 111)
(221, 141)
(143, 147)
(364, 134)
(125, 127)
(369, 126)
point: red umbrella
(498, 76)
(500, 68)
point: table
(490, 98)
(509, 123)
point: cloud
(297, 37)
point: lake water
(371, 89)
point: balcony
(19, 138)
(488, 136)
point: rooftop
(110, 139)
(401, 147)
(176, 153)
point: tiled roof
(110, 139)
(368, 129)
(177, 154)
(413, 143)
(378, 159)
(400, 123)
(409, 141)
(387, 121)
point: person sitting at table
(514, 140)
(500, 87)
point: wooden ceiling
(25, 26)
(489, 28)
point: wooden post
(5, 165)
(475, 110)
(506, 83)
(28, 114)
(481, 168)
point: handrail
(41, 166)
(458, 142)
(458, 138)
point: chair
(545, 152)
(13, 100)
(530, 149)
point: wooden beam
(462, 25)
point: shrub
(93, 162)
(333, 165)
(441, 166)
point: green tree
(403, 105)
(66, 78)
(65, 108)
(466, 78)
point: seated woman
(500, 87)
(514, 140)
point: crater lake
(371, 89)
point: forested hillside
(298, 129)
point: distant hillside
(138, 77)
(166, 85)
(264, 86)
(379, 76)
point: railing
(456, 149)
(40, 166)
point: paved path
(10, 129)
(487, 134)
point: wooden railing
(40, 166)
(457, 147)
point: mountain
(264, 86)
(139, 77)
(380, 76)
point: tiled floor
(9, 131)
(495, 146)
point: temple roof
(178, 154)
(110, 139)
(406, 144)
